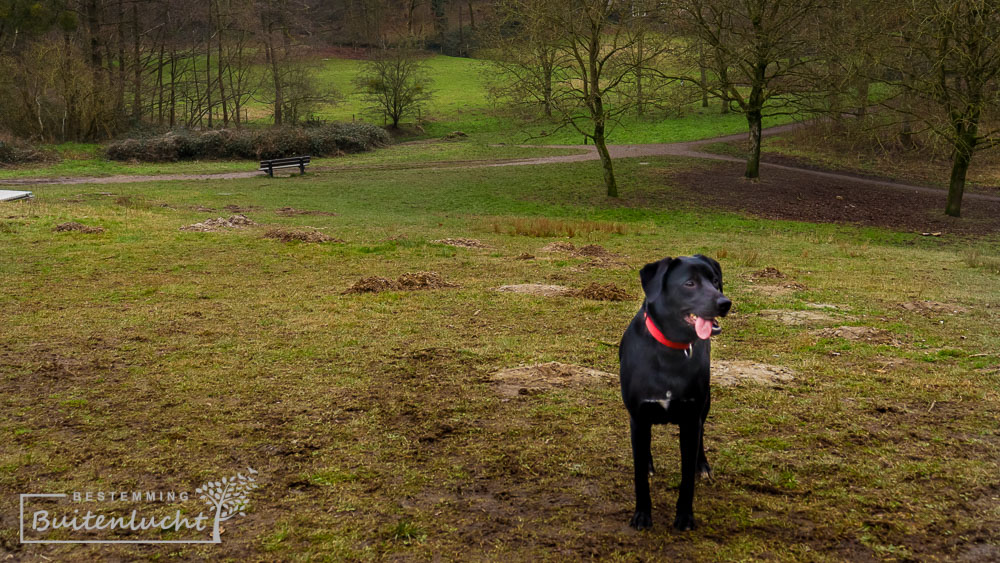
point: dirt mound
(462, 242)
(301, 235)
(422, 280)
(406, 282)
(602, 292)
(537, 289)
(599, 256)
(558, 246)
(533, 379)
(867, 334)
(220, 223)
(374, 284)
(928, 307)
(232, 208)
(291, 211)
(798, 317)
(738, 372)
(768, 273)
(78, 227)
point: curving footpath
(688, 149)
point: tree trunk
(218, 63)
(208, 66)
(753, 155)
(961, 159)
(704, 74)
(137, 70)
(602, 150)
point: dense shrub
(276, 142)
(13, 151)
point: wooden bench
(296, 161)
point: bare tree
(394, 84)
(527, 51)
(602, 39)
(761, 54)
(946, 53)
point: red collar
(655, 332)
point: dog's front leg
(642, 519)
(690, 437)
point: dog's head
(684, 296)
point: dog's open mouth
(704, 327)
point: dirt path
(687, 149)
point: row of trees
(933, 64)
(87, 69)
(90, 69)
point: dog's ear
(715, 267)
(652, 277)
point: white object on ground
(11, 195)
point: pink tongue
(703, 328)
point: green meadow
(146, 357)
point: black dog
(664, 357)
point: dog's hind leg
(690, 438)
(704, 470)
(642, 519)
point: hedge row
(18, 152)
(277, 142)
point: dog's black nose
(723, 304)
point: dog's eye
(715, 282)
(689, 283)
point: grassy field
(86, 160)
(147, 358)
(460, 103)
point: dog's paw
(684, 522)
(705, 472)
(641, 520)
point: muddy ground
(800, 196)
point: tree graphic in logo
(228, 496)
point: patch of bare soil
(233, 208)
(867, 334)
(407, 282)
(801, 196)
(772, 282)
(220, 223)
(798, 317)
(599, 256)
(533, 379)
(729, 373)
(291, 212)
(78, 227)
(301, 235)
(462, 242)
(537, 289)
(602, 292)
(524, 256)
(932, 307)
